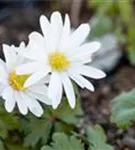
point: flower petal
(64, 41)
(34, 78)
(84, 82)
(68, 87)
(27, 68)
(76, 77)
(89, 48)
(90, 72)
(4, 74)
(55, 89)
(40, 89)
(45, 25)
(39, 93)
(21, 103)
(84, 51)
(22, 45)
(35, 48)
(79, 35)
(33, 105)
(8, 96)
(10, 56)
(36, 45)
(55, 30)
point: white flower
(61, 54)
(13, 90)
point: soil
(16, 26)
(97, 105)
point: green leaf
(97, 138)
(100, 25)
(131, 44)
(38, 131)
(102, 6)
(62, 119)
(66, 114)
(126, 10)
(63, 142)
(123, 109)
(16, 147)
(2, 145)
(8, 122)
(62, 127)
(131, 54)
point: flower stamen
(17, 81)
(58, 61)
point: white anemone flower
(13, 90)
(63, 55)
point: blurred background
(112, 23)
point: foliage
(38, 131)
(9, 126)
(100, 25)
(8, 122)
(2, 145)
(108, 12)
(63, 142)
(123, 109)
(35, 132)
(97, 138)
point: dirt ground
(97, 105)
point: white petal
(79, 35)
(76, 77)
(64, 42)
(42, 98)
(33, 55)
(55, 30)
(21, 103)
(90, 72)
(36, 37)
(4, 74)
(27, 68)
(8, 96)
(55, 89)
(2, 63)
(22, 45)
(33, 105)
(34, 78)
(40, 89)
(45, 26)
(10, 56)
(2, 87)
(36, 46)
(82, 82)
(76, 59)
(84, 51)
(39, 93)
(68, 87)
(89, 48)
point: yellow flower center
(58, 61)
(17, 81)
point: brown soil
(97, 106)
